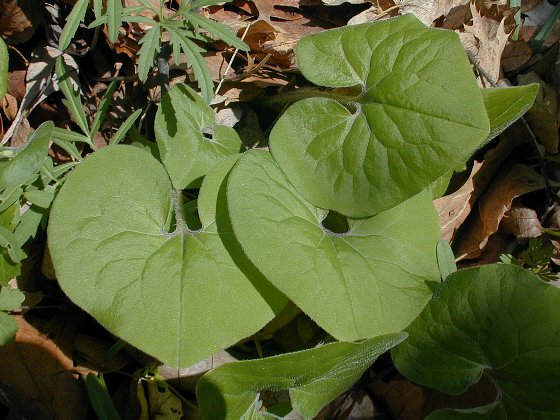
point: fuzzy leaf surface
(420, 114)
(186, 151)
(173, 293)
(313, 377)
(499, 319)
(374, 279)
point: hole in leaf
(207, 133)
(335, 223)
(188, 200)
(190, 211)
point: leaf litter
(502, 192)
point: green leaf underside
(186, 153)
(372, 280)
(313, 377)
(178, 296)
(420, 115)
(505, 105)
(3, 68)
(499, 319)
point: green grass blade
(123, 129)
(546, 30)
(73, 101)
(216, 29)
(98, 22)
(97, 8)
(196, 61)
(190, 5)
(516, 4)
(150, 46)
(100, 399)
(114, 13)
(103, 107)
(73, 20)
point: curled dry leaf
(494, 203)
(522, 222)
(486, 39)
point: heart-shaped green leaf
(497, 319)
(420, 114)
(313, 377)
(189, 140)
(372, 280)
(173, 293)
(506, 105)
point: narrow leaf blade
(146, 54)
(73, 20)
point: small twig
(25, 61)
(481, 70)
(228, 68)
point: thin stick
(228, 68)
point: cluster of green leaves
(183, 27)
(127, 252)
(28, 183)
(536, 258)
(73, 102)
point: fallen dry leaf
(19, 20)
(493, 204)
(408, 401)
(453, 209)
(486, 39)
(429, 10)
(516, 54)
(37, 370)
(522, 222)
